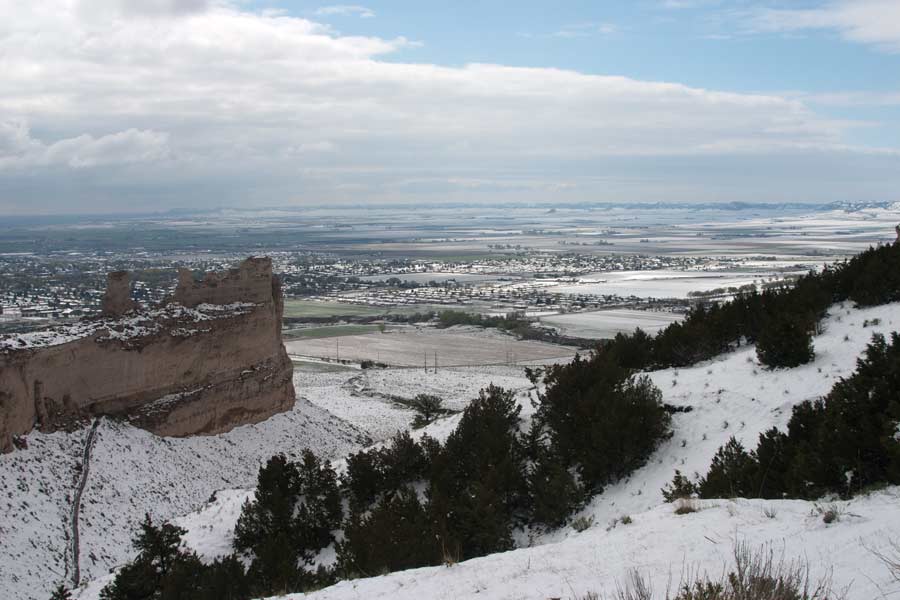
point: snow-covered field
(412, 346)
(365, 398)
(601, 324)
(666, 283)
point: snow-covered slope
(132, 473)
(730, 395)
(663, 546)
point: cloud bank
(874, 22)
(273, 108)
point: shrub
(785, 342)
(890, 557)
(756, 575)
(685, 506)
(680, 487)
(428, 408)
(582, 523)
(830, 513)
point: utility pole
(435, 362)
(337, 349)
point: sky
(148, 105)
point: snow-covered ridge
(134, 326)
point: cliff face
(209, 360)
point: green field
(312, 333)
(300, 309)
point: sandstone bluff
(208, 359)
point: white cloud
(346, 10)
(874, 22)
(18, 150)
(266, 97)
(578, 30)
(144, 8)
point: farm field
(603, 324)
(327, 331)
(300, 309)
(409, 347)
(439, 277)
(665, 283)
(315, 309)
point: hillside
(133, 472)
(729, 395)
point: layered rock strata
(208, 360)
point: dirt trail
(76, 503)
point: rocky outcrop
(209, 360)
(117, 299)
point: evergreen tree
(428, 407)
(680, 487)
(601, 421)
(319, 511)
(838, 444)
(732, 473)
(266, 531)
(292, 516)
(271, 511)
(161, 571)
(224, 579)
(478, 485)
(553, 491)
(785, 342)
(61, 593)
(393, 535)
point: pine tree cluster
(413, 503)
(840, 444)
(781, 321)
